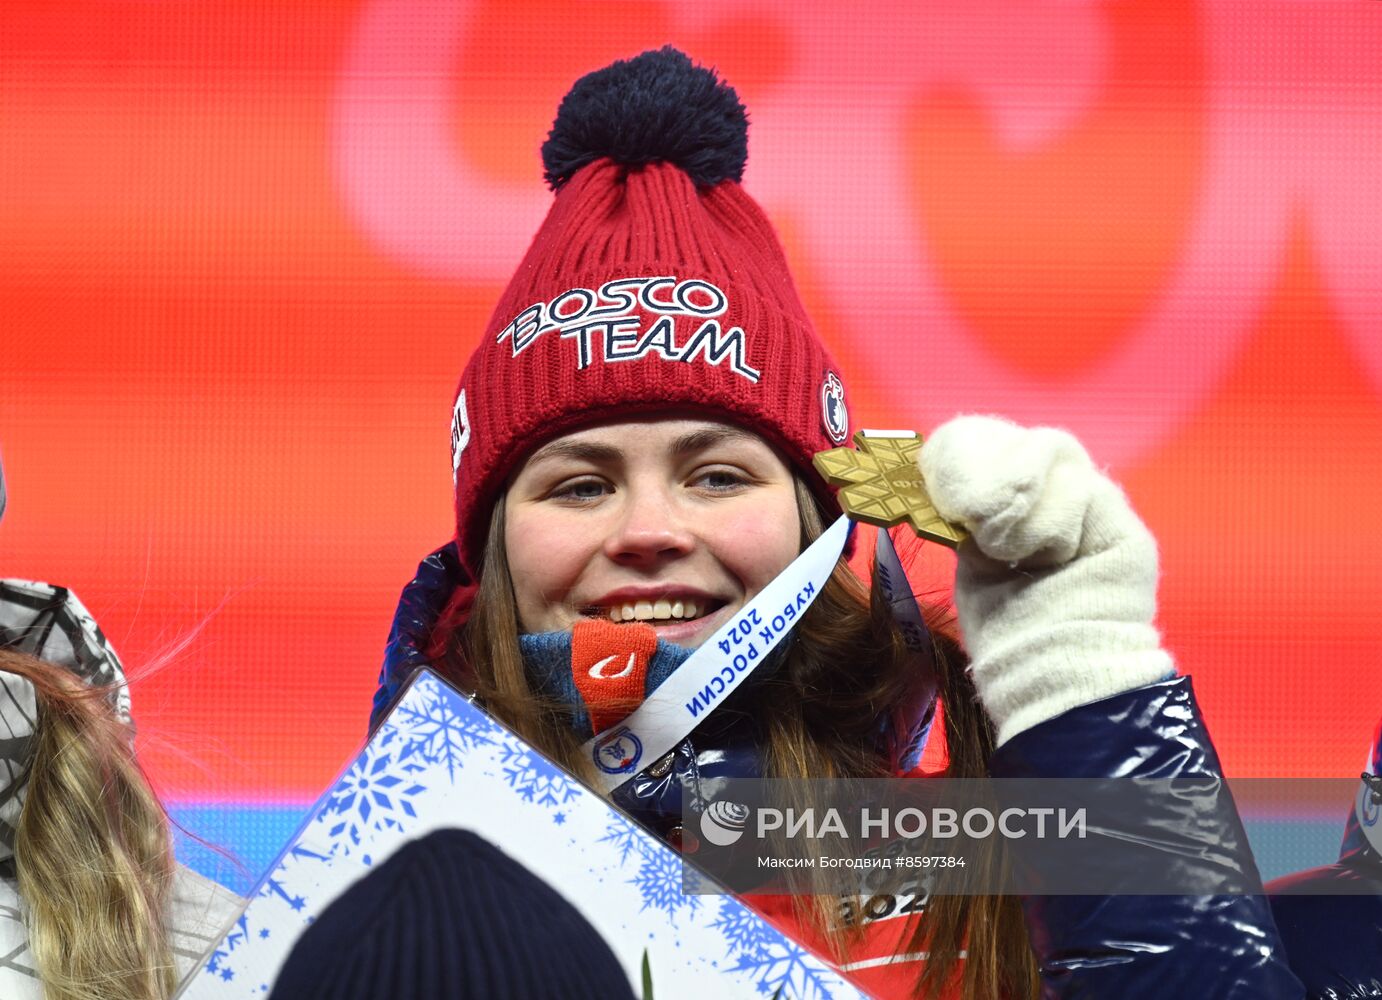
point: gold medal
(881, 484)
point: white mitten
(1056, 587)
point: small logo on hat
(619, 752)
(833, 413)
(460, 435)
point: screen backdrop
(245, 249)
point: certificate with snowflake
(438, 761)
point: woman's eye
(580, 489)
(721, 480)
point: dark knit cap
(450, 915)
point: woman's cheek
(760, 543)
(540, 551)
(548, 562)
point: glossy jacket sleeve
(1136, 947)
(422, 600)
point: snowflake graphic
(626, 838)
(274, 886)
(219, 961)
(375, 794)
(784, 968)
(297, 852)
(745, 933)
(659, 884)
(278, 890)
(439, 728)
(534, 778)
(775, 963)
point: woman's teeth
(662, 610)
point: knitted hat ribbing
(656, 284)
(450, 915)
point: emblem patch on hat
(460, 435)
(834, 415)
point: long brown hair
(817, 717)
(92, 851)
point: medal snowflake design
(881, 484)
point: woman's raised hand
(1056, 586)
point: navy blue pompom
(652, 108)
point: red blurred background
(245, 249)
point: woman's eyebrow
(581, 451)
(589, 451)
(708, 437)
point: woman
(632, 442)
(93, 905)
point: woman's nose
(650, 527)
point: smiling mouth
(662, 611)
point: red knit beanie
(655, 284)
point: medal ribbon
(897, 591)
(718, 667)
